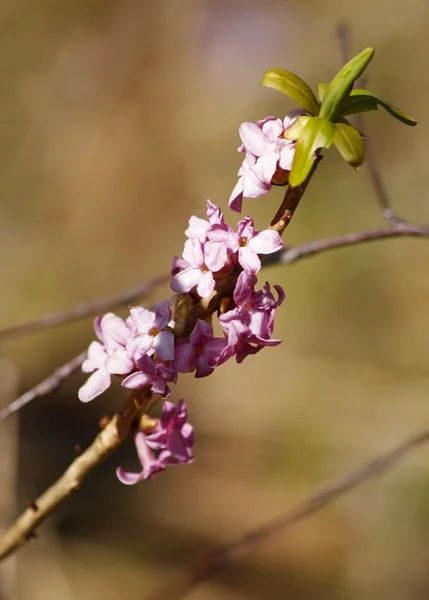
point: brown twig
(291, 200)
(48, 385)
(84, 310)
(108, 440)
(288, 256)
(221, 557)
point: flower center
(243, 242)
(204, 269)
(153, 332)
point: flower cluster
(171, 437)
(216, 276)
(268, 159)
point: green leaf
(293, 132)
(318, 133)
(293, 86)
(349, 143)
(342, 84)
(363, 100)
(322, 88)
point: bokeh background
(118, 118)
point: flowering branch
(108, 440)
(219, 558)
(84, 310)
(285, 256)
(215, 278)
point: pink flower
(268, 159)
(151, 372)
(202, 352)
(248, 243)
(108, 357)
(203, 259)
(197, 227)
(249, 326)
(152, 333)
(172, 438)
(100, 379)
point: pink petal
(272, 128)
(286, 157)
(119, 363)
(162, 315)
(184, 358)
(197, 228)
(185, 280)
(142, 318)
(163, 344)
(244, 288)
(96, 385)
(249, 259)
(254, 186)
(206, 285)
(236, 198)
(266, 241)
(96, 359)
(266, 166)
(137, 380)
(215, 255)
(253, 139)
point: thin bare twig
(108, 440)
(47, 386)
(221, 557)
(376, 178)
(84, 310)
(292, 254)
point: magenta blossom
(172, 438)
(249, 326)
(268, 159)
(201, 353)
(151, 372)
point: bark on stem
(291, 200)
(106, 442)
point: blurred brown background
(117, 120)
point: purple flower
(108, 357)
(249, 326)
(202, 352)
(172, 438)
(248, 243)
(203, 259)
(268, 159)
(152, 333)
(149, 462)
(151, 372)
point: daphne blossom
(108, 356)
(268, 159)
(169, 442)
